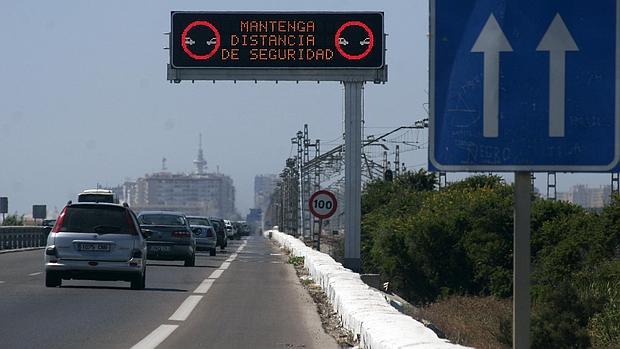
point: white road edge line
(216, 274)
(156, 337)
(204, 286)
(34, 274)
(185, 308)
(1, 282)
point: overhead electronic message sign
(279, 40)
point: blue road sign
(524, 85)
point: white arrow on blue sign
(524, 85)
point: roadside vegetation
(13, 220)
(440, 248)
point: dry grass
(470, 321)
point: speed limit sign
(323, 204)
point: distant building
(199, 193)
(264, 185)
(587, 197)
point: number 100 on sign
(323, 204)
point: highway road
(246, 297)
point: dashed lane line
(156, 337)
(34, 274)
(204, 286)
(160, 334)
(186, 308)
(225, 265)
(216, 274)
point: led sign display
(285, 40)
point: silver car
(96, 241)
(205, 238)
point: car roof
(90, 203)
(201, 217)
(97, 191)
(200, 226)
(172, 213)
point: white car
(230, 230)
(96, 241)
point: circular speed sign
(323, 204)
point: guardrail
(23, 237)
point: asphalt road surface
(246, 297)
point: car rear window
(161, 219)
(96, 219)
(96, 198)
(198, 221)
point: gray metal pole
(353, 104)
(521, 263)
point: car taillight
(132, 226)
(59, 221)
(181, 234)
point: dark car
(220, 231)
(170, 236)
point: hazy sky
(85, 100)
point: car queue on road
(98, 238)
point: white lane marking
(224, 265)
(34, 274)
(275, 254)
(204, 286)
(216, 274)
(1, 282)
(185, 308)
(156, 337)
(241, 247)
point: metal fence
(22, 237)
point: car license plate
(159, 248)
(93, 246)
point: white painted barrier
(363, 310)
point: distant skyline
(86, 100)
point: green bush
(13, 220)
(433, 243)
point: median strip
(156, 337)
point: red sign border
(354, 24)
(328, 193)
(192, 54)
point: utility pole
(552, 193)
(397, 161)
(317, 186)
(306, 217)
(299, 141)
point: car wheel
(190, 261)
(139, 282)
(212, 252)
(52, 279)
